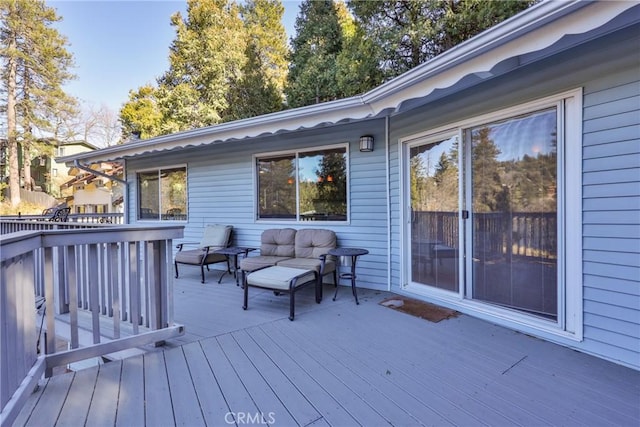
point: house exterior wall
(221, 189)
(221, 183)
(607, 72)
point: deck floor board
(338, 364)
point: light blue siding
(611, 181)
(221, 190)
(611, 192)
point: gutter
(77, 164)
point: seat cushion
(308, 264)
(255, 262)
(311, 243)
(194, 256)
(279, 277)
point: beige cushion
(278, 242)
(308, 264)
(216, 236)
(255, 262)
(194, 256)
(279, 277)
(311, 243)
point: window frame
(296, 153)
(160, 215)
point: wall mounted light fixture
(366, 143)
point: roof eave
(527, 32)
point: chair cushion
(216, 235)
(311, 243)
(278, 242)
(194, 256)
(279, 277)
(308, 264)
(254, 262)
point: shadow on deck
(337, 364)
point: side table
(233, 251)
(354, 253)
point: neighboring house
(503, 181)
(97, 191)
(48, 175)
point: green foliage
(35, 66)
(318, 42)
(226, 63)
(141, 114)
(253, 93)
(263, 24)
(409, 33)
(259, 88)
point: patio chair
(61, 215)
(216, 236)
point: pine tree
(315, 48)
(206, 56)
(36, 65)
(259, 88)
(409, 33)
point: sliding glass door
(434, 197)
(514, 203)
(499, 213)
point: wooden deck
(337, 364)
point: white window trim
(570, 299)
(297, 152)
(157, 169)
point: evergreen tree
(36, 65)
(263, 23)
(259, 87)
(315, 48)
(141, 115)
(252, 94)
(409, 33)
(207, 54)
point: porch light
(366, 143)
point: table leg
(350, 276)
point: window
(162, 194)
(303, 186)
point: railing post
(134, 286)
(94, 283)
(50, 342)
(72, 286)
(59, 277)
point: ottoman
(281, 279)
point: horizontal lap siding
(221, 190)
(611, 216)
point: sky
(120, 45)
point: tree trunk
(26, 170)
(14, 170)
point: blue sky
(121, 45)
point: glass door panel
(434, 202)
(514, 213)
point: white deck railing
(113, 284)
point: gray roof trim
(533, 30)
